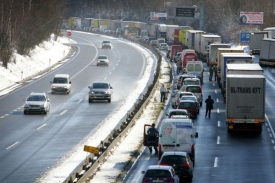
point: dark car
(190, 106)
(177, 112)
(181, 162)
(153, 43)
(158, 173)
(194, 98)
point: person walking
(210, 73)
(163, 91)
(209, 106)
(171, 75)
(215, 70)
(152, 133)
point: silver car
(37, 103)
(106, 44)
(100, 91)
(102, 60)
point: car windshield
(106, 41)
(178, 113)
(186, 94)
(102, 57)
(100, 85)
(60, 80)
(158, 173)
(191, 82)
(173, 160)
(36, 98)
(193, 89)
(188, 98)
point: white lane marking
(2, 116)
(219, 123)
(272, 141)
(274, 147)
(12, 145)
(80, 100)
(216, 162)
(6, 114)
(41, 126)
(218, 140)
(270, 134)
(266, 124)
(63, 112)
(218, 110)
(216, 91)
(14, 110)
(269, 125)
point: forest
(26, 23)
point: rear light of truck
(193, 149)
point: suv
(102, 60)
(106, 44)
(61, 84)
(37, 103)
(100, 91)
(181, 78)
(158, 173)
(176, 98)
(181, 162)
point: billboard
(158, 16)
(251, 18)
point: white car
(37, 103)
(163, 46)
(61, 84)
(102, 60)
(106, 44)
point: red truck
(173, 52)
(188, 55)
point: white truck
(245, 102)
(170, 29)
(213, 52)
(190, 37)
(267, 55)
(254, 39)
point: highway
(30, 144)
(224, 157)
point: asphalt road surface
(30, 144)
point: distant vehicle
(190, 81)
(196, 90)
(163, 46)
(181, 162)
(103, 60)
(61, 84)
(158, 173)
(190, 106)
(153, 42)
(176, 98)
(106, 44)
(37, 103)
(100, 90)
(160, 40)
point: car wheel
(196, 116)
(109, 100)
(25, 112)
(200, 103)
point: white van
(195, 68)
(177, 135)
(61, 84)
(160, 40)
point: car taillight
(159, 148)
(164, 164)
(145, 180)
(170, 180)
(185, 165)
(193, 149)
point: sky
(49, 53)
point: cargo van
(195, 68)
(61, 84)
(177, 135)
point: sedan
(37, 103)
(159, 173)
(181, 162)
(177, 112)
(190, 106)
(102, 60)
(163, 46)
(194, 98)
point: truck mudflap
(253, 127)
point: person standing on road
(152, 133)
(162, 93)
(210, 73)
(209, 106)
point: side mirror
(111, 87)
(89, 87)
(70, 82)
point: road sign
(185, 12)
(69, 33)
(91, 149)
(245, 37)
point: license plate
(230, 127)
(157, 180)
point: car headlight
(26, 105)
(107, 92)
(53, 87)
(91, 92)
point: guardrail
(87, 168)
